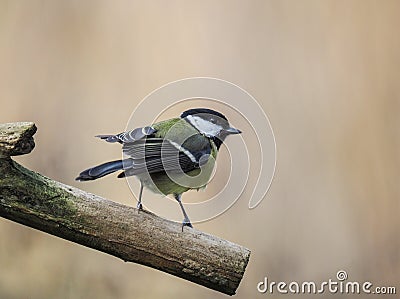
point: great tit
(170, 156)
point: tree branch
(134, 236)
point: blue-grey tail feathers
(100, 170)
(109, 138)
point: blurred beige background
(326, 73)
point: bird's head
(210, 123)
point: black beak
(232, 131)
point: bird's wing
(129, 136)
(156, 155)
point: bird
(169, 157)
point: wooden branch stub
(135, 236)
(16, 138)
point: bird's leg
(186, 221)
(139, 205)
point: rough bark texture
(16, 138)
(135, 236)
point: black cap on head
(202, 111)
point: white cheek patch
(205, 127)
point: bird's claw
(139, 206)
(186, 222)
